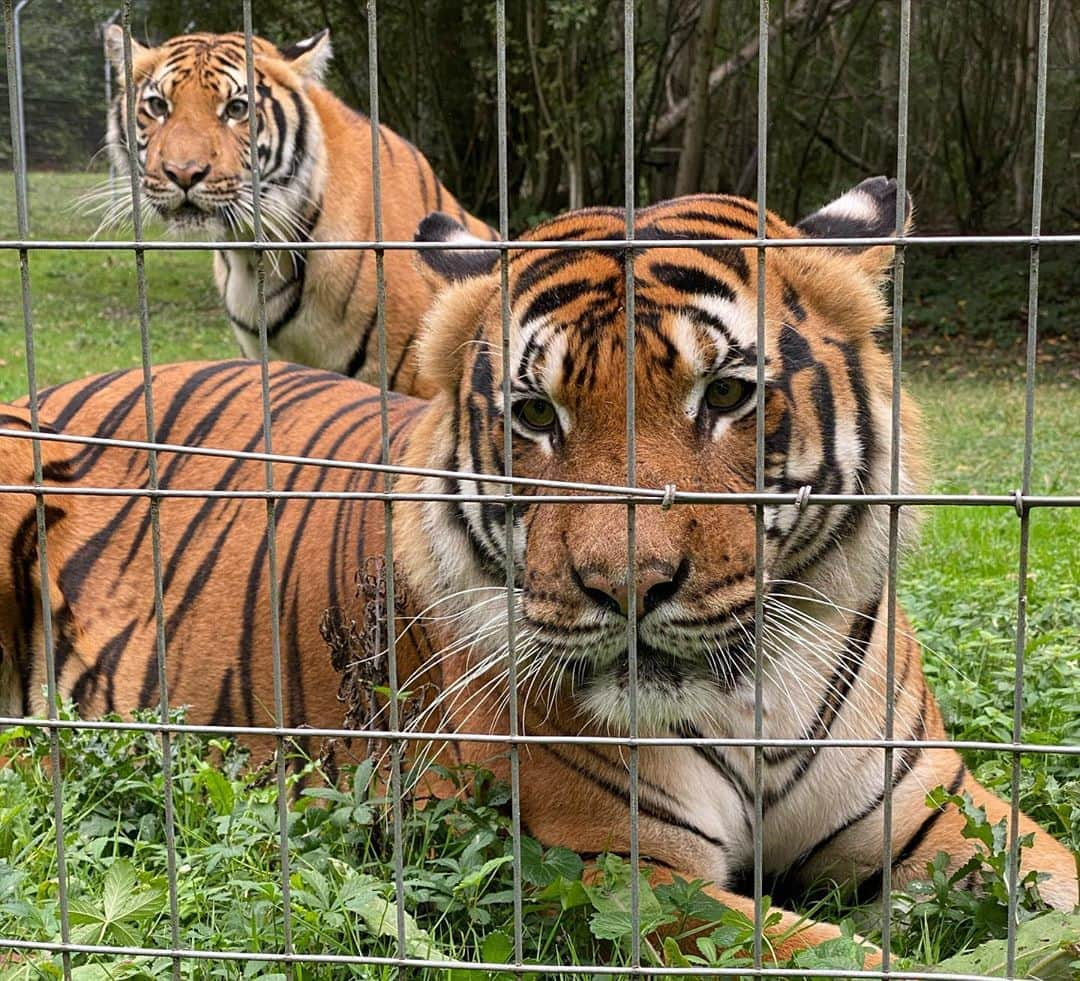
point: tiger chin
(315, 184)
(827, 416)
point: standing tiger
(827, 398)
(315, 169)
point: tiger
(315, 178)
(826, 405)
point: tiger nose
(186, 175)
(653, 587)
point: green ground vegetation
(959, 586)
(85, 305)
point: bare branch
(671, 119)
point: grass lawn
(85, 305)
(959, 587)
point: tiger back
(316, 185)
(215, 571)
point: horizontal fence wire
(630, 495)
(589, 493)
(599, 970)
(529, 245)
(1028, 749)
(1017, 501)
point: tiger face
(193, 133)
(826, 395)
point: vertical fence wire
(268, 475)
(508, 470)
(390, 604)
(895, 448)
(629, 188)
(759, 487)
(154, 504)
(1039, 163)
(15, 106)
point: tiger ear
(309, 58)
(868, 210)
(442, 266)
(114, 49)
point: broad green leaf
(540, 867)
(612, 917)
(380, 917)
(1047, 948)
(125, 899)
(610, 924)
(673, 956)
(497, 948)
(478, 876)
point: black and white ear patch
(294, 51)
(453, 264)
(868, 210)
(309, 58)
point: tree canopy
(832, 100)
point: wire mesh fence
(513, 490)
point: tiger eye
(236, 108)
(157, 105)
(538, 414)
(725, 394)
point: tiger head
(193, 135)
(827, 426)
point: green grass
(959, 587)
(85, 305)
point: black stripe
(191, 437)
(357, 267)
(23, 563)
(689, 280)
(905, 763)
(714, 756)
(60, 419)
(282, 127)
(359, 357)
(648, 808)
(728, 256)
(401, 360)
(870, 888)
(299, 154)
(562, 294)
(546, 264)
(845, 674)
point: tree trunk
(1024, 74)
(695, 130)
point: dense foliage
(832, 96)
(457, 875)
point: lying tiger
(827, 413)
(315, 166)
